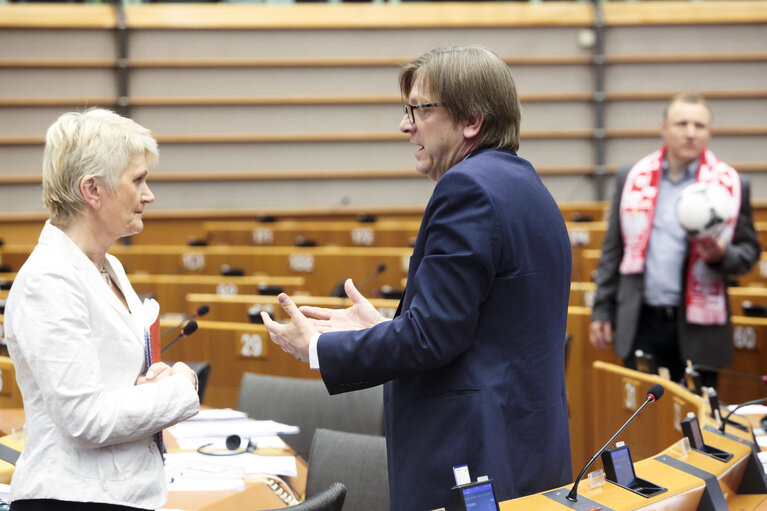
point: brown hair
(470, 80)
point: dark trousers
(658, 336)
(60, 505)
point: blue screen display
(480, 498)
(624, 469)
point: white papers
(193, 465)
(194, 471)
(5, 493)
(222, 429)
(151, 311)
(219, 414)
(206, 485)
(750, 409)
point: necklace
(105, 274)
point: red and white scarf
(705, 297)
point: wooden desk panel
(579, 374)
(684, 492)
(322, 267)
(236, 308)
(749, 342)
(171, 290)
(587, 235)
(385, 233)
(618, 392)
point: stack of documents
(224, 470)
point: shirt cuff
(314, 359)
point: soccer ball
(704, 209)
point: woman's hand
(162, 370)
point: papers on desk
(222, 428)
(218, 414)
(194, 471)
(750, 409)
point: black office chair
(202, 370)
(306, 403)
(329, 499)
(356, 460)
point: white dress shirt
(77, 352)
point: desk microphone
(188, 329)
(339, 291)
(232, 447)
(655, 393)
(748, 376)
(201, 311)
(379, 270)
(754, 402)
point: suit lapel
(91, 277)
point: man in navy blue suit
(473, 363)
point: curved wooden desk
(694, 480)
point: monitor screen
(692, 432)
(623, 466)
(480, 498)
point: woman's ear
(91, 190)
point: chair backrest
(358, 461)
(306, 403)
(329, 499)
(202, 370)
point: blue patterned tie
(158, 439)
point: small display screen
(480, 498)
(696, 438)
(624, 467)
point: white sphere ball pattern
(704, 209)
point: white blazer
(77, 353)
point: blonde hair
(96, 142)
(470, 80)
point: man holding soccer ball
(661, 280)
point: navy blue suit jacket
(474, 364)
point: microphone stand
(759, 377)
(573, 495)
(727, 418)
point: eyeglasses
(410, 109)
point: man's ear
(472, 126)
(92, 190)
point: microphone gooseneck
(188, 329)
(201, 311)
(654, 394)
(754, 402)
(738, 374)
(379, 270)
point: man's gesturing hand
(360, 315)
(292, 337)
